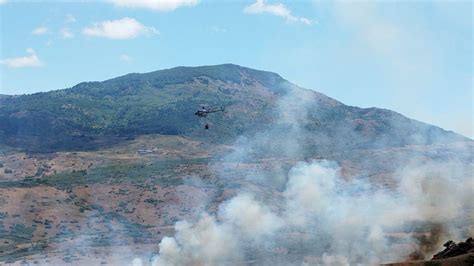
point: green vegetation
(39, 171)
(164, 171)
(13, 254)
(159, 172)
(22, 231)
(5, 150)
(19, 233)
(93, 114)
(134, 230)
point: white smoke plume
(204, 243)
(342, 222)
(209, 242)
(314, 215)
(250, 217)
(306, 196)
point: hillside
(101, 174)
(95, 114)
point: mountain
(94, 114)
(101, 172)
(3, 96)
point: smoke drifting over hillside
(320, 217)
(285, 176)
(346, 223)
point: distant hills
(258, 104)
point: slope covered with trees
(94, 114)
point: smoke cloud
(341, 222)
(317, 215)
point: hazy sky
(409, 56)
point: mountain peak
(91, 114)
(224, 72)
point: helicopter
(205, 110)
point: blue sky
(409, 56)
